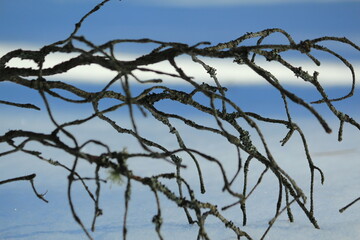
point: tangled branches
(217, 105)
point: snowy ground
(23, 216)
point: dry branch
(156, 91)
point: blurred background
(33, 24)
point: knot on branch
(305, 46)
(246, 141)
(157, 220)
(271, 55)
(298, 71)
(40, 83)
(210, 88)
(241, 56)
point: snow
(23, 216)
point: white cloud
(331, 73)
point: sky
(32, 24)
(43, 22)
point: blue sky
(46, 21)
(26, 23)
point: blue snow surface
(23, 216)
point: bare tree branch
(238, 127)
